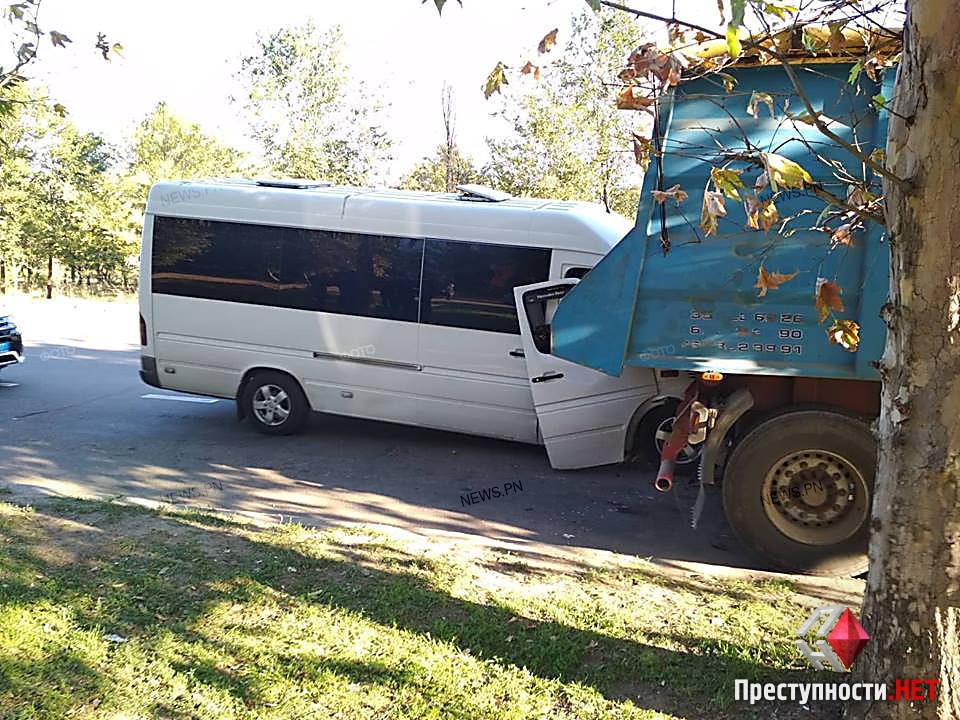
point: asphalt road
(76, 420)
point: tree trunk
(3, 277)
(912, 603)
(49, 277)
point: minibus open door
(583, 413)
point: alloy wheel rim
(688, 453)
(271, 404)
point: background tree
(309, 119)
(165, 147)
(21, 129)
(569, 141)
(64, 199)
(75, 216)
(442, 172)
(447, 168)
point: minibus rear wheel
(274, 403)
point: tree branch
(832, 199)
(660, 18)
(904, 185)
(753, 43)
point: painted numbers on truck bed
(781, 328)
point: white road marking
(204, 401)
(9, 384)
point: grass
(108, 611)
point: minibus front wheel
(274, 403)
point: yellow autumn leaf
(713, 207)
(632, 98)
(751, 206)
(768, 215)
(842, 235)
(495, 79)
(756, 98)
(642, 150)
(727, 181)
(846, 334)
(771, 280)
(549, 40)
(784, 172)
(827, 298)
(674, 193)
(734, 47)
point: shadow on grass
(156, 575)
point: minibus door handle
(547, 377)
(517, 353)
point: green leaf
(594, 5)
(59, 39)
(854, 72)
(879, 102)
(734, 48)
(737, 9)
(810, 43)
(441, 3)
(60, 110)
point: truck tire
(274, 403)
(652, 434)
(797, 490)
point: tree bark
(912, 602)
(49, 277)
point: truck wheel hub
(815, 497)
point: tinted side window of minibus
(217, 260)
(352, 274)
(470, 285)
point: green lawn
(116, 612)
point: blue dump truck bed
(697, 307)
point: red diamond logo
(847, 638)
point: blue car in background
(11, 343)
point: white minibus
(295, 296)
